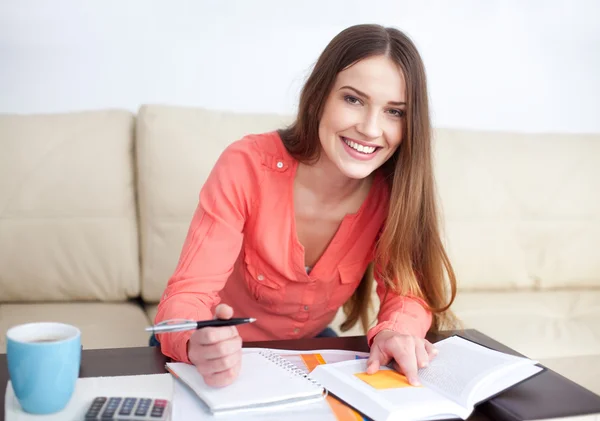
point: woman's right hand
(217, 351)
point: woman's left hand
(408, 353)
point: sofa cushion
(176, 150)
(540, 325)
(151, 310)
(102, 325)
(68, 225)
(521, 211)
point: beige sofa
(94, 207)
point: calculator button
(111, 408)
(160, 403)
(157, 412)
(128, 406)
(95, 408)
(143, 407)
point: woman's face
(363, 116)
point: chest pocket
(350, 275)
(265, 285)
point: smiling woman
(293, 224)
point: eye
(351, 99)
(397, 113)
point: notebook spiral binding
(288, 366)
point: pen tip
(252, 319)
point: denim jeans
(325, 333)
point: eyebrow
(396, 103)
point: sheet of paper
(308, 360)
(87, 388)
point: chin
(356, 171)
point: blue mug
(43, 364)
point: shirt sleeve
(404, 314)
(212, 245)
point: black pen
(181, 325)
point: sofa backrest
(521, 211)
(68, 226)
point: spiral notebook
(266, 382)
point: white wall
(510, 65)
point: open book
(266, 382)
(460, 376)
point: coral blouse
(242, 250)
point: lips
(359, 151)
(360, 147)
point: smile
(367, 150)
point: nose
(369, 126)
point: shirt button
(279, 164)
(260, 277)
(296, 330)
(305, 308)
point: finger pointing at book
(407, 353)
(217, 351)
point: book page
(493, 385)
(385, 393)
(460, 365)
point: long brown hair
(410, 257)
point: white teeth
(359, 148)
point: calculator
(121, 408)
